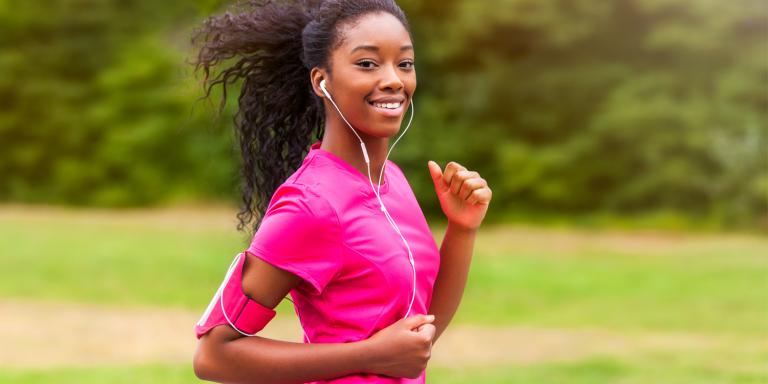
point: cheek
(351, 101)
(356, 92)
(356, 102)
(410, 84)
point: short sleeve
(300, 233)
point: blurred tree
(93, 106)
(566, 107)
(575, 106)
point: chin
(379, 129)
(386, 130)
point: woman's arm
(464, 197)
(455, 258)
(400, 350)
(224, 355)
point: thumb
(436, 174)
(415, 321)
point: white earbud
(322, 88)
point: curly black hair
(276, 43)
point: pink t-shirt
(324, 224)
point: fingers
(466, 184)
(428, 331)
(450, 170)
(459, 178)
(480, 196)
(456, 174)
(461, 181)
(471, 184)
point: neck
(342, 142)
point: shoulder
(303, 203)
(300, 233)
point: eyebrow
(376, 49)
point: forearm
(455, 258)
(261, 360)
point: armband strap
(242, 313)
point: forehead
(380, 29)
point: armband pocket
(230, 305)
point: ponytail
(277, 111)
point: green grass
(686, 286)
(593, 370)
(621, 290)
(145, 374)
(114, 260)
(710, 286)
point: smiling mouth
(392, 110)
(392, 105)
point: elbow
(211, 361)
(200, 364)
(205, 367)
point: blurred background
(626, 143)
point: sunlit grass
(593, 370)
(518, 275)
(710, 287)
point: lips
(388, 106)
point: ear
(315, 76)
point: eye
(407, 64)
(367, 64)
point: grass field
(599, 370)
(689, 308)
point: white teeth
(387, 105)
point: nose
(391, 79)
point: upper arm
(297, 246)
(263, 283)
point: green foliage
(99, 109)
(571, 107)
(565, 107)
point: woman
(343, 232)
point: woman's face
(372, 74)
